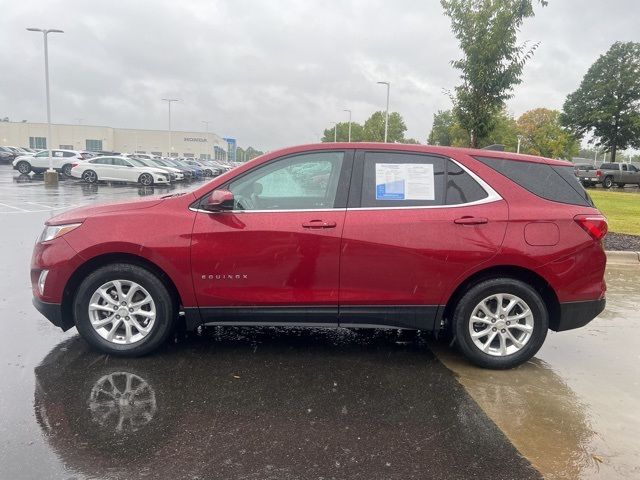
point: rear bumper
(577, 314)
(53, 313)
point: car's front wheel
(500, 323)
(124, 309)
(146, 179)
(24, 167)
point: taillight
(598, 173)
(594, 225)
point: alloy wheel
(23, 167)
(89, 176)
(501, 324)
(122, 312)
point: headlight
(54, 231)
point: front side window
(306, 181)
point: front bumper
(577, 314)
(53, 313)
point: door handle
(471, 221)
(319, 224)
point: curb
(623, 258)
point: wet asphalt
(275, 403)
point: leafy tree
(492, 62)
(505, 132)
(607, 102)
(543, 134)
(357, 132)
(441, 130)
(374, 128)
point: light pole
(169, 100)
(51, 176)
(386, 116)
(335, 132)
(519, 140)
(345, 110)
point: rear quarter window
(551, 182)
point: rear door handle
(319, 224)
(471, 220)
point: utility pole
(349, 111)
(169, 101)
(519, 140)
(51, 176)
(386, 115)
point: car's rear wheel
(124, 309)
(66, 169)
(146, 179)
(24, 167)
(607, 182)
(500, 323)
(90, 176)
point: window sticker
(404, 181)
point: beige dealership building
(124, 140)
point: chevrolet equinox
(493, 247)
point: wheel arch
(99, 261)
(507, 271)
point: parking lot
(291, 403)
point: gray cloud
(273, 73)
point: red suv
(495, 247)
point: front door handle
(471, 221)
(319, 224)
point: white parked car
(62, 161)
(175, 174)
(119, 169)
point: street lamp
(519, 140)
(345, 110)
(335, 132)
(169, 100)
(386, 116)
(51, 176)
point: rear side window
(609, 166)
(402, 180)
(551, 182)
(461, 187)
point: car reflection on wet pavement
(294, 403)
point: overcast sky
(269, 73)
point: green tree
(357, 132)
(492, 61)
(543, 134)
(607, 102)
(505, 132)
(441, 130)
(374, 128)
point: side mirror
(218, 201)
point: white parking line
(17, 208)
(40, 204)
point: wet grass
(621, 209)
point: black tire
(165, 309)
(66, 170)
(607, 182)
(90, 176)
(146, 180)
(462, 317)
(23, 167)
(208, 173)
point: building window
(174, 154)
(94, 145)
(37, 142)
(188, 155)
(140, 151)
(205, 156)
(157, 154)
(66, 147)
